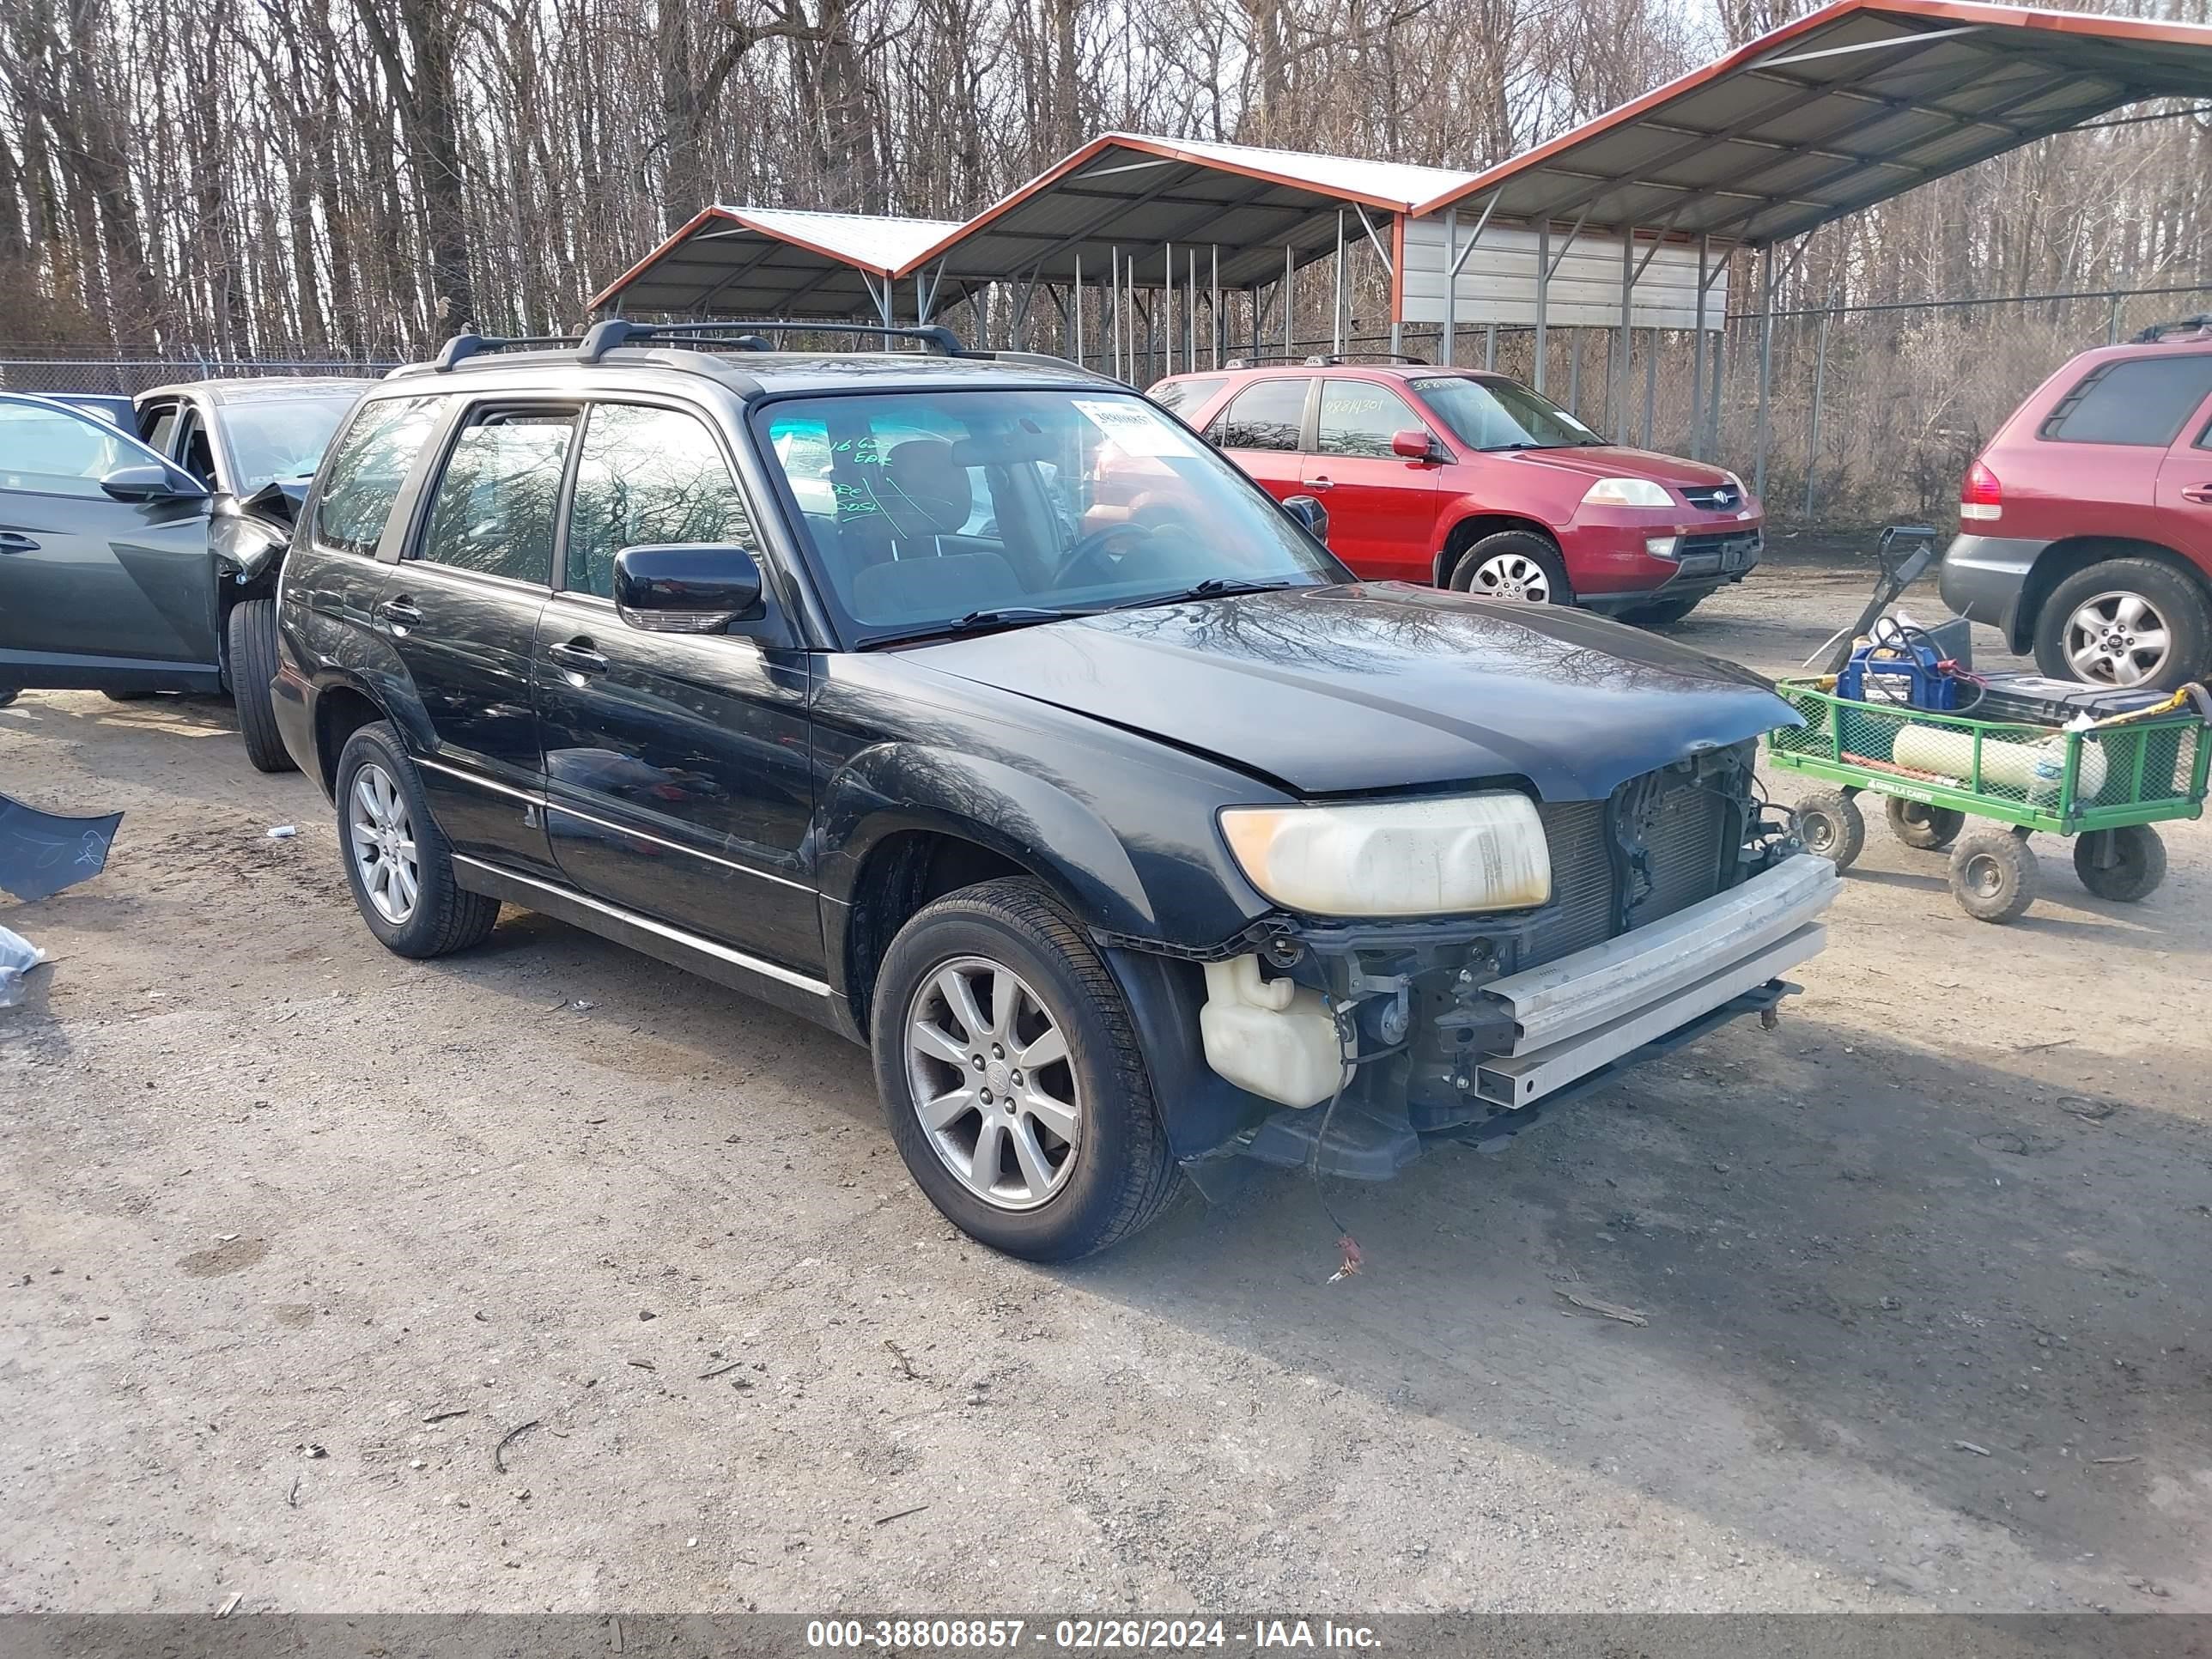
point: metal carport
(1846, 108)
(1129, 213)
(778, 262)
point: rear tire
(1930, 829)
(2125, 599)
(2124, 866)
(1035, 985)
(1831, 827)
(252, 632)
(1994, 874)
(1513, 564)
(8, 693)
(384, 819)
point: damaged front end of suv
(1607, 932)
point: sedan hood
(1377, 686)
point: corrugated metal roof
(1139, 193)
(774, 262)
(1847, 106)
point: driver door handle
(13, 541)
(2200, 493)
(1320, 481)
(401, 610)
(579, 657)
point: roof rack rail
(616, 330)
(2201, 324)
(1326, 359)
(464, 346)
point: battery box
(2034, 700)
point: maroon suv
(2086, 524)
(1460, 479)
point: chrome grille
(1713, 498)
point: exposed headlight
(1626, 492)
(1413, 857)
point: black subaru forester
(973, 707)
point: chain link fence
(88, 369)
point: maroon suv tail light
(1981, 497)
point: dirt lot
(298, 1236)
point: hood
(1614, 461)
(1377, 686)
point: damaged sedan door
(106, 582)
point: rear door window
(2137, 400)
(498, 497)
(1184, 396)
(1359, 417)
(1270, 415)
(365, 473)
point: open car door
(107, 581)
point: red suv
(1460, 479)
(2086, 524)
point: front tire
(397, 861)
(2124, 866)
(252, 632)
(1513, 564)
(1012, 1077)
(1994, 874)
(2130, 622)
(1831, 827)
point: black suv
(975, 708)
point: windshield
(925, 511)
(1502, 415)
(281, 438)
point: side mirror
(150, 485)
(686, 587)
(1413, 444)
(1309, 512)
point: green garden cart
(2104, 786)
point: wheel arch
(2064, 558)
(904, 824)
(342, 708)
(1473, 525)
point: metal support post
(1766, 366)
(1819, 385)
(1543, 292)
(1697, 357)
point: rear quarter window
(1184, 396)
(364, 472)
(2137, 400)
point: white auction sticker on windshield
(1134, 428)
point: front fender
(894, 787)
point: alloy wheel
(2117, 639)
(992, 1081)
(1513, 576)
(382, 836)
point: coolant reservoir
(1270, 1036)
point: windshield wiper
(976, 622)
(1212, 588)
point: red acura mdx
(1463, 479)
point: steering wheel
(1075, 570)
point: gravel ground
(550, 1278)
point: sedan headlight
(1626, 492)
(1411, 858)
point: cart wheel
(1994, 874)
(2123, 864)
(1831, 825)
(1930, 829)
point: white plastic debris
(18, 955)
(282, 831)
